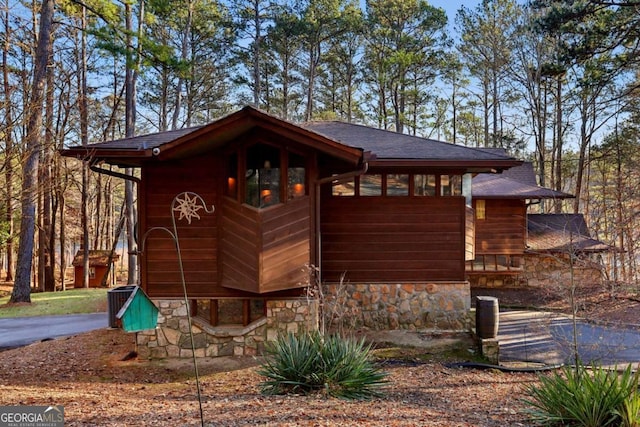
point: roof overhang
(469, 166)
(135, 151)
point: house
(99, 261)
(552, 239)
(384, 219)
(517, 248)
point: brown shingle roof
(96, 258)
(386, 144)
(341, 139)
(561, 233)
(518, 182)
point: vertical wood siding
(393, 239)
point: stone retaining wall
(440, 306)
(542, 271)
(545, 270)
(413, 306)
(171, 337)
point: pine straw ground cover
(86, 375)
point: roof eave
(116, 157)
(475, 166)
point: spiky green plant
(581, 397)
(629, 411)
(333, 365)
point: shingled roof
(561, 233)
(345, 140)
(518, 182)
(384, 145)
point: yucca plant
(581, 397)
(309, 362)
(629, 411)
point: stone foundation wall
(413, 306)
(543, 271)
(171, 337)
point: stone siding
(413, 306)
(546, 270)
(171, 337)
(542, 271)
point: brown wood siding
(470, 234)
(266, 250)
(240, 244)
(159, 263)
(503, 230)
(391, 239)
(286, 245)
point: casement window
(265, 168)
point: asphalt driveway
(548, 338)
(19, 331)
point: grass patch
(74, 301)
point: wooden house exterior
(511, 243)
(388, 213)
(98, 267)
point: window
(424, 185)
(272, 175)
(495, 263)
(262, 176)
(405, 184)
(345, 187)
(232, 176)
(451, 185)
(481, 209)
(371, 185)
(296, 177)
(397, 185)
(229, 312)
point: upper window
(424, 185)
(371, 185)
(270, 176)
(262, 176)
(296, 177)
(450, 185)
(397, 185)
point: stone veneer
(171, 337)
(413, 306)
(543, 271)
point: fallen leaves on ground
(85, 374)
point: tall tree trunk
(22, 285)
(8, 114)
(48, 229)
(256, 55)
(559, 144)
(131, 75)
(84, 138)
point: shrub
(333, 365)
(577, 397)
